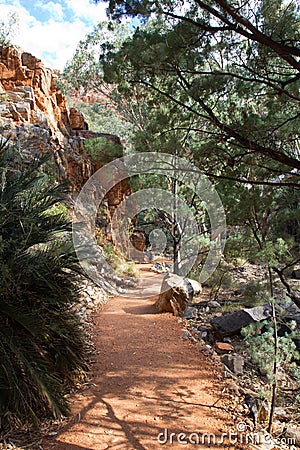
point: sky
(51, 30)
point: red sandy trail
(146, 380)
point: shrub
(42, 345)
(261, 341)
(103, 150)
(118, 263)
(253, 294)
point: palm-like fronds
(41, 343)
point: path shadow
(141, 310)
(156, 372)
(64, 446)
(126, 427)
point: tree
(233, 65)
(108, 113)
(218, 82)
(42, 347)
(230, 73)
(267, 216)
(133, 108)
(8, 28)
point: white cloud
(58, 38)
(55, 10)
(55, 40)
(88, 10)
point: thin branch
(290, 119)
(293, 296)
(202, 26)
(244, 141)
(244, 27)
(252, 182)
(267, 82)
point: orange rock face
(77, 120)
(26, 76)
(34, 112)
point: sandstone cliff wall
(35, 114)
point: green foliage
(254, 294)
(3, 97)
(215, 100)
(219, 281)
(84, 70)
(118, 263)
(42, 346)
(100, 236)
(239, 247)
(265, 228)
(109, 113)
(260, 340)
(209, 90)
(109, 253)
(103, 150)
(217, 83)
(59, 209)
(275, 252)
(103, 118)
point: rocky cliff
(35, 114)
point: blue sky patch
(52, 29)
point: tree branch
(292, 294)
(202, 26)
(244, 27)
(244, 141)
(267, 82)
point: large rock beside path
(232, 323)
(176, 294)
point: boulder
(223, 347)
(176, 294)
(190, 313)
(204, 332)
(197, 288)
(232, 323)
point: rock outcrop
(34, 114)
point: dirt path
(146, 380)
